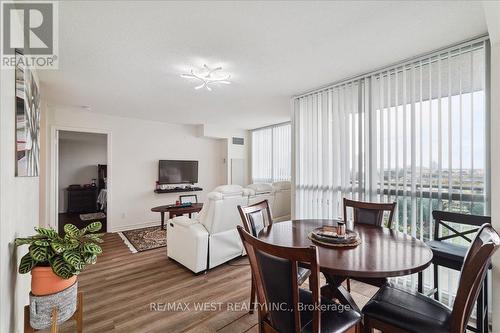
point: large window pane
(414, 134)
(271, 154)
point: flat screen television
(177, 172)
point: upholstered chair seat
(396, 310)
(409, 311)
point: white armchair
(211, 238)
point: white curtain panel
(282, 151)
(415, 133)
(262, 155)
(271, 153)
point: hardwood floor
(122, 291)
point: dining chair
(397, 310)
(255, 218)
(370, 212)
(283, 306)
(373, 214)
(452, 255)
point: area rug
(144, 239)
(92, 216)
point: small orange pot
(45, 282)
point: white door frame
(54, 172)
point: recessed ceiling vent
(238, 141)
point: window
(271, 154)
(415, 133)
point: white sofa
(279, 196)
(282, 205)
(211, 238)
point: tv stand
(179, 190)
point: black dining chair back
(473, 272)
(449, 226)
(256, 217)
(275, 273)
(369, 212)
(448, 221)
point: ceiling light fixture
(208, 76)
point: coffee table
(174, 211)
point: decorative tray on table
(327, 236)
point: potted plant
(55, 261)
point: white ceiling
(125, 58)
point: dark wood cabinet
(82, 200)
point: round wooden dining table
(382, 253)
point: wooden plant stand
(77, 316)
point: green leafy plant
(66, 255)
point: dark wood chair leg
(479, 312)
(486, 322)
(252, 297)
(348, 282)
(436, 283)
(420, 282)
(366, 326)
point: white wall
(18, 213)
(79, 155)
(135, 148)
(231, 151)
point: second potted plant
(54, 261)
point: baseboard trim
(134, 226)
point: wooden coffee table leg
(162, 220)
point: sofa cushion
(229, 189)
(214, 196)
(282, 186)
(248, 192)
(261, 188)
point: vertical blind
(413, 133)
(271, 154)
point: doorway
(81, 178)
